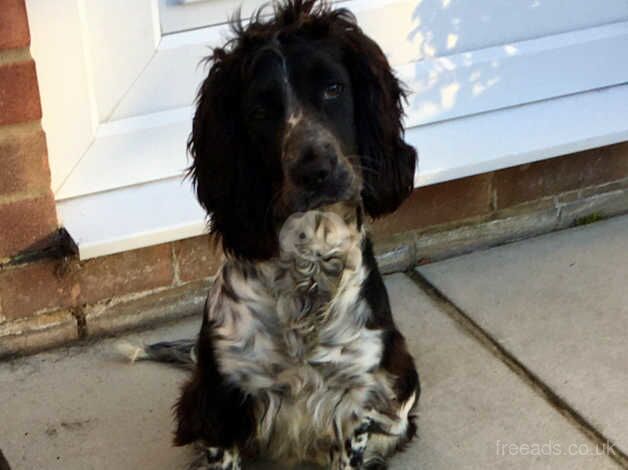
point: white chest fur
(291, 333)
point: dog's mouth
(345, 205)
(322, 203)
(345, 189)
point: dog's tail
(180, 353)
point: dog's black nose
(315, 166)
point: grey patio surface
(559, 304)
(554, 306)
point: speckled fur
(291, 333)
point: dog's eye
(259, 113)
(333, 91)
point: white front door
(118, 79)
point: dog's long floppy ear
(388, 161)
(232, 181)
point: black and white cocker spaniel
(297, 136)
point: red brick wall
(27, 209)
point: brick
(26, 224)
(125, 273)
(438, 245)
(438, 204)
(396, 257)
(168, 305)
(599, 206)
(57, 284)
(557, 175)
(27, 289)
(37, 333)
(19, 95)
(197, 258)
(13, 24)
(605, 188)
(24, 163)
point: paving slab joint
(529, 377)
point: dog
(4, 465)
(297, 138)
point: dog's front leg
(216, 458)
(349, 453)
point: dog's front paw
(316, 235)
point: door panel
(444, 27)
(120, 38)
(514, 74)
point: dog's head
(297, 111)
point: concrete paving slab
(475, 412)
(559, 303)
(81, 408)
(84, 408)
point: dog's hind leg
(212, 413)
(349, 455)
